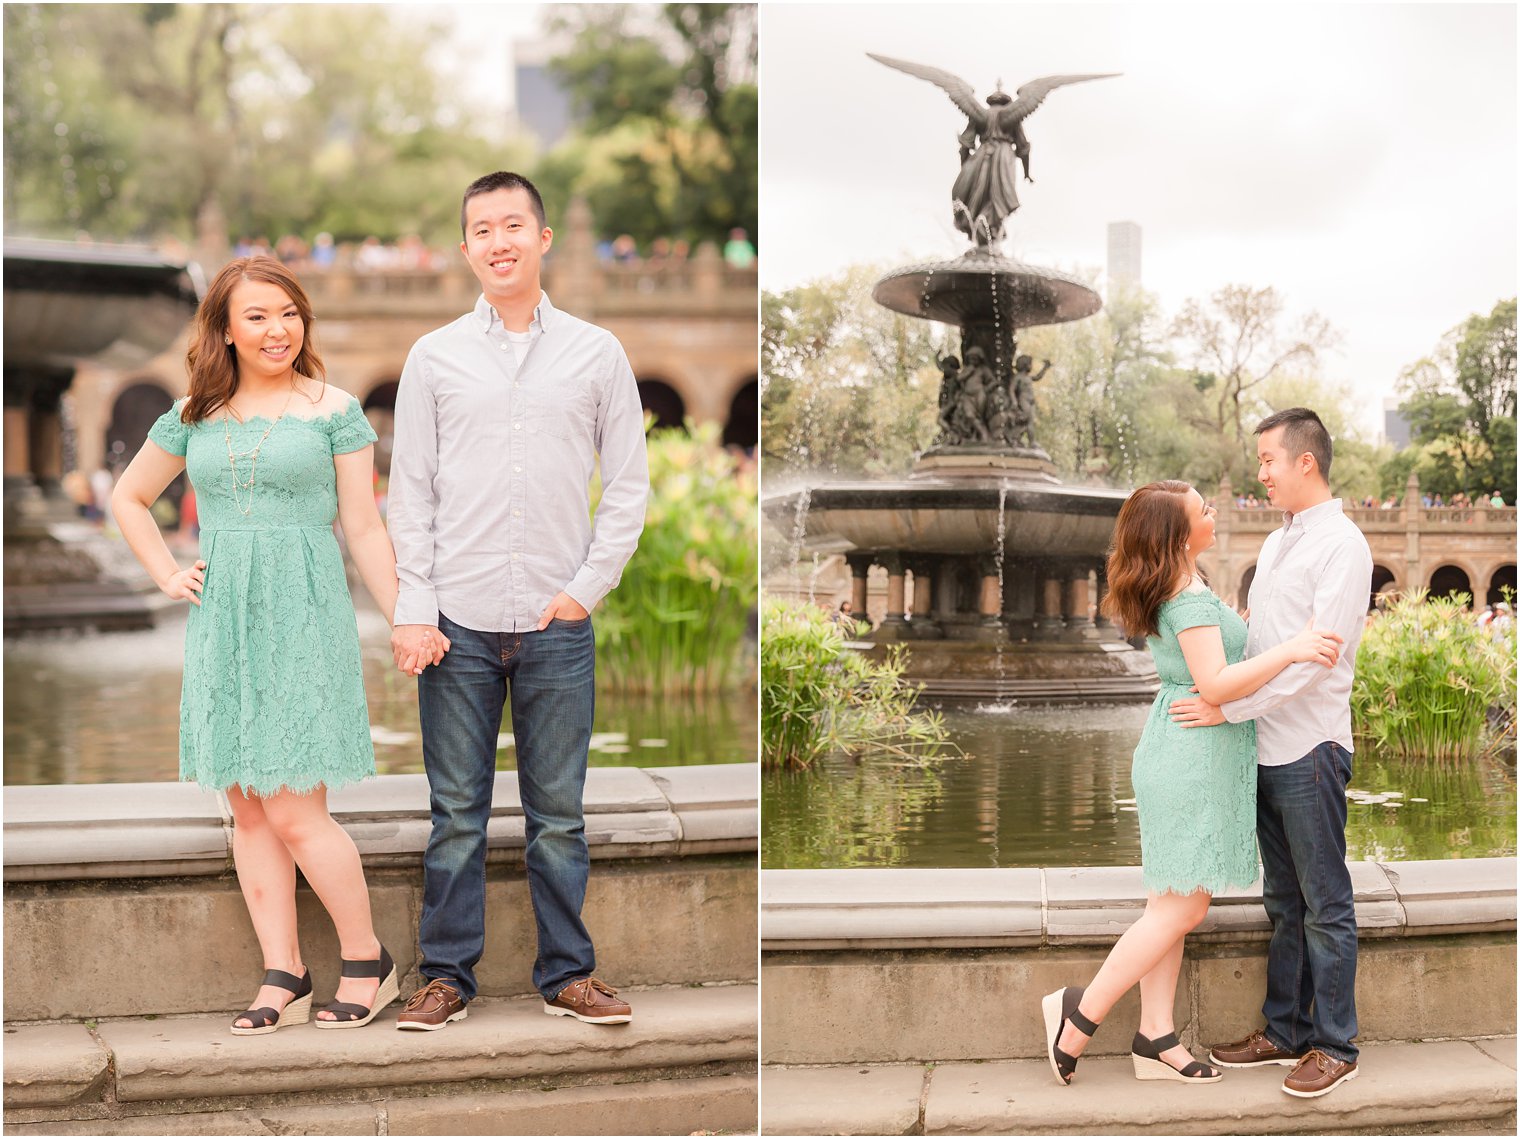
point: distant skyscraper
(543, 106)
(1123, 254)
(1395, 426)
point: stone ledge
(132, 830)
(53, 1064)
(1400, 1086)
(196, 1058)
(1055, 906)
(707, 1104)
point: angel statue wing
(958, 89)
(1033, 93)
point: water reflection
(105, 709)
(1050, 787)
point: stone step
(1463, 1086)
(685, 1062)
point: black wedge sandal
(266, 1019)
(1146, 1054)
(1060, 1007)
(357, 1016)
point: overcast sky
(1360, 157)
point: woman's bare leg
(1158, 995)
(1159, 932)
(330, 863)
(267, 876)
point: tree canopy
(668, 139)
(852, 388)
(1460, 405)
(142, 121)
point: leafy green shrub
(1427, 677)
(817, 695)
(677, 621)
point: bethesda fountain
(1006, 562)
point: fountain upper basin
(981, 286)
(932, 516)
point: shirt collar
(1309, 519)
(543, 313)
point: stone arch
(1448, 578)
(742, 428)
(1501, 579)
(380, 409)
(664, 401)
(1243, 591)
(1384, 580)
(133, 410)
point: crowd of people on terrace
(1459, 501)
(372, 255)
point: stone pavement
(1463, 1086)
(685, 1063)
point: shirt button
(517, 427)
(517, 470)
(516, 556)
(503, 347)
(517, 514)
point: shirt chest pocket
(565, 409)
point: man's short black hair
(1303, 433)
(502, 180)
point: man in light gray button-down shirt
(501, 419)
(1316, 570)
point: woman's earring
(227, 340)
(1187, 545)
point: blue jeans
(1311, 960)
(551, 678)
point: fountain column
(1048, 625)
(1076, 595)
(45, 436)
(923, 623)
(1105, 626)
(23, 501)
(990, 601)
(895, 622)
(860, 570)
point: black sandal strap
(380, 967)
(258, 1017)
(1065, 1064)
(343, 1010)
(1196, 1069)
(287, 981)
(1081, 1023)
(1162, 1043)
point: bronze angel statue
(992, 144)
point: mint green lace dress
(1195, 787)
(273, 694)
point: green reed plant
(677, 621)
(1430, 682)
(817, 695)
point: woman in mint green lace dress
(273, 710)
(1195, 787)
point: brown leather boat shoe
(1318, 1073)
(432, 1006)
(1254, 1051)
(590, 1000)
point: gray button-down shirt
(1317, 567)
(490, 511)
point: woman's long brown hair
(211, 361)
(1149, 555)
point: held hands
(562, 608)
(186, 585)
(414, 647)
(1195, 712)
(1316, 646)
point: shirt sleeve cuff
(417, 607)
(588, 588)
(1235, 711)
